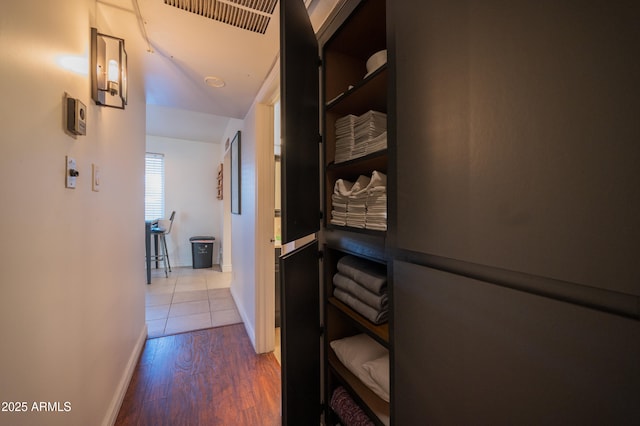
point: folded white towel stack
(362, 204)
(360, 136)
(345, 138)
(376, 218)
(339, 200)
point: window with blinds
(153, 186)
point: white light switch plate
(70, 181)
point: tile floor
(189, 299)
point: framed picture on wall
(235, 174)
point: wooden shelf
(354, 229)
(379, 332)
(374, 161)
(350, 171)
(368, 245)
(367, 94)
(372, 404)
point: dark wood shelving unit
(349, 90)
(356, 32)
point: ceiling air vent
(251, 15)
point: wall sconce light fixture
(108, 70)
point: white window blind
(153, 186)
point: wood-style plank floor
(205, 377)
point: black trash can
(202, 251)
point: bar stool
(160, 233)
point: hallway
(189, 299)
(206, 377)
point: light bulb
(112, 77)
(113, 70)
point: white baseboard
(190, 265)
(226, 268)
(114, 407)
(247, 324)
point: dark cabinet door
(300, 336)
(300, 168)
(470, 352)
(515, 166)
(300, 192)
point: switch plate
(95, 180)
(70, 172)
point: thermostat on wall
(76, 116)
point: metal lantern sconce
(108, 70)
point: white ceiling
(177, 49)
(189, 47)
(190, 125)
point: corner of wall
(118, 397)
(245, 319)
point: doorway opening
(277, 228)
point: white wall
(252, 284)
(191, 170)
(243, 229)
(71, 260)
(226, 244)
(243, 226)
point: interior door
(300, 123)
(300, 336)
(300, 209)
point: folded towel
(340, 204)
(376, 144)
(378, 370)
(343, 187)
(376, 227)
(377, 203)
(346, 408)
(360, 185)
(370, 275)
(378, 302)
(373, 315)
(347, 120)
(361, 135)
(356, 224)
(382, 189)
(355, 209)
(377, 179)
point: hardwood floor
(205, 377)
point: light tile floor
(189, 299)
